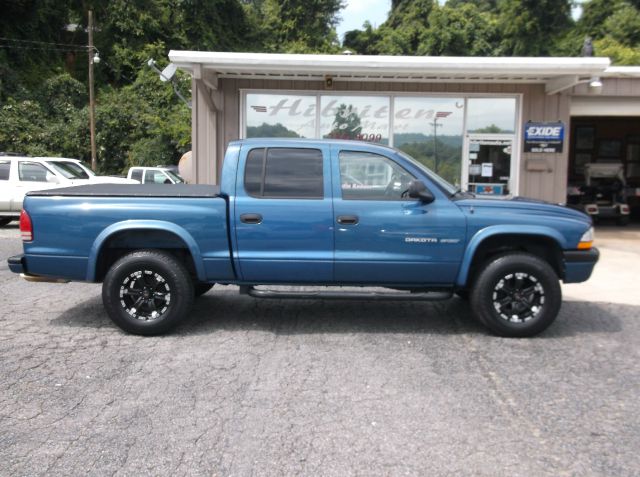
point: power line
(17, 40)
(43, 48)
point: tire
(147, 292)
(200, 289)
(516, 295)
(5, 221)
(623, 221)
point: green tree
(531, 27)
(405, 28)
(459, 31)
(624, 25)
(363, 41)
(297, 26)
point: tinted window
(367, 176)
(136, 174)
(285, 173)
(5, 166)
(253, 172)
(34, 172)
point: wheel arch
(144, 234)
(545, 242)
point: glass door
(487, 169)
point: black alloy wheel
(147, 292)
(145, 295)
(516, 295)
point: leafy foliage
(43, 67)
(139, 120)
(503, 28)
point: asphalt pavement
(306, 387)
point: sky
(357, 12)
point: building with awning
(496, 126)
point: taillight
(26, 229)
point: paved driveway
(250, 387)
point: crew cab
(321, 213)
(20, 174)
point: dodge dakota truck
(334, 216)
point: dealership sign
(543, 137)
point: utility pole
(92, 102)
(435, 143)
(438, 115)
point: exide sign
(543, 137)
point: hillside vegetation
(43, 57)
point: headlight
(586, 241)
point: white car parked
(19, 175)
(154, 175)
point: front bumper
(579, 264)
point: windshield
(439, 181)
(176, 178)
(86, 168)
(70, 170)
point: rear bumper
(579, 264)
(16, 263)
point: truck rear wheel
(147, 292)
(516, 295)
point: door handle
(251, 218)
(348, 219)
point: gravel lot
(250, 387)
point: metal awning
(557, 73)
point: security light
(595, 82)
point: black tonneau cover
(132, 190)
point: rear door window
(136, 174)
(284, 173)
(34, 172)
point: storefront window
(491, 115)
(275, 115)
(431, 131)
(364, 118)
(429, 128)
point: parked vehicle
(20, 174)
(154, 175)
(308, 212)
(603, 196)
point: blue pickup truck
(328, 214)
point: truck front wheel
(516, 295)
(147, 292)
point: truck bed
(132, 190)
(75, 225)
